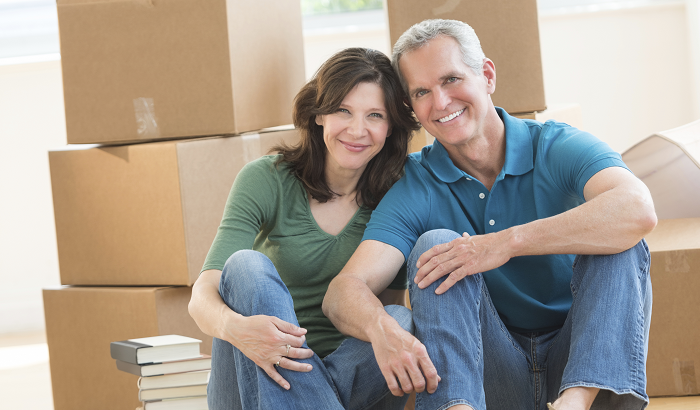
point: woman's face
(356, 132)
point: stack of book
(173, 374)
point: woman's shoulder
(267, 166)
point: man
(490, 219)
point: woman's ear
(319, 120)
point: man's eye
(451, 79)
(421, 93)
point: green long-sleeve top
(268, 211)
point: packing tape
(146, 124)
(676, 262)
(684, 377)
(449, 6)
(251, 147)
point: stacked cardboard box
(153, 75)
(668, 163)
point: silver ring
(288, 347)
(278, 363)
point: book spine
(129, 367)
(125, 351)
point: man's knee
(402, 315)
(436, 237)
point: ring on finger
(288, 347)
(278, 362)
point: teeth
(451, 116)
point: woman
(291, 223)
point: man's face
(449, 99)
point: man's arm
(353, 307)
(617, 214)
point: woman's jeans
(603, 342)
(348, 378)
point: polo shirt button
(492, 222)
(482, 196)
(468, 179)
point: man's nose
(440, 99)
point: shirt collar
(518, 152)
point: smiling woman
(291, 223)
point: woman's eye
(343, 110)
(376, 115)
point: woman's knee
(243, 270)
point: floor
(24, 370)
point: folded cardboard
(668, 162)
(673, 364)
(81, 322)
(145, 214)
(509, 34)
(136, 70)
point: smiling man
(528, 274)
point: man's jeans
(603, 342)
(348, 378)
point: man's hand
(461, 257)
(403, 360)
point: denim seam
(618, 392)
(455, 402)
(501, 326)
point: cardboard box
(568, 113)
(139, 70)
(145, 214)
(509, 35)
(668, 162)
(673, 364)
(81, 323)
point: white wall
(31, 122)
(629, 69)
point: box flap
(675, 234)
(668, 163)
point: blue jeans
(603, 342)
(348, 378)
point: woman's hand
(269, 342)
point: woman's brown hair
(323, 95)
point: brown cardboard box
(509, 35)
(568, 113)
(673, 364)
(145, 214)
(81, 323)
(136, 70)
(668, 162)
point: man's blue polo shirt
(546, 167)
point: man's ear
(489, 71)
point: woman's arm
(260, 338)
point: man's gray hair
(421, 33)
